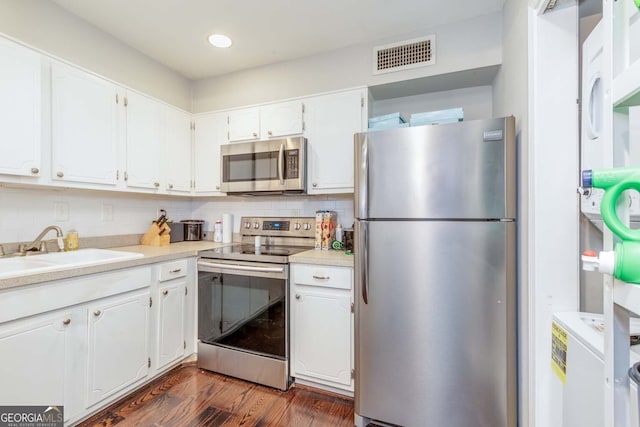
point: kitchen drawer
(173, 270)
(321, 275)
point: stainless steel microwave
(276, 166)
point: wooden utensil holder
(156, 236)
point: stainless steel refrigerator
(435, 262)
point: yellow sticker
(559, 343)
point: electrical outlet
(107, 212)
(61, 211)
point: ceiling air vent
(404, 55)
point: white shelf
(627, 295)
(626, 86)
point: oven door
(243, 306)
(271, 166)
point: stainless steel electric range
(243, 307)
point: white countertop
(153, 254)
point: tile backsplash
(24, 212)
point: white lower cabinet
(117, 344)
(322, 325)
(83, 343)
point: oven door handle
(241, 267)
(281, 164)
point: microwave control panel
(292, 160)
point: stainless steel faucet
(39, 246)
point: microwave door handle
(281, 164)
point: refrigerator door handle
(363, 257)
(362, 178)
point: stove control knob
(296, 226)
(247, 225)
(306, 226)
(256, 225)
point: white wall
(553, 202)
(477, 103)
(25, 212)
(464, 45)
(212, 210)
(48, 27)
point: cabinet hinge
(117, 175)
(353, 309)
(126, 176)
(150, 301)
(126, 101)
(362, 102)
(194, 184)
(227, 119)
(185, 290)
(303, 108)
(149, 363)
(116, 98)
(228, 137)
(304, 125)
(185, 345)
(353, 374)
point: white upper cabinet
(269, 121)
(281, 119)
(145, 140)
(244, 125)
(20, 110)
(210, 131)
(84, 127)
(331, 122)
(177, 156)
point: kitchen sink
(56, 261)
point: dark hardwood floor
(188, 396)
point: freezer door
(435, 323)
(461, 170)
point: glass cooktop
(242, 252)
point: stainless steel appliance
(243, 310)
(262, 167)
(435, 275)
(192, 229)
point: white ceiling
(174, 32)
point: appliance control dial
(247, 225)
(307, 226)
(296, 226)
(256, 225)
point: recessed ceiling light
(219, 40)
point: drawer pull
(165, 292)
(97, 313)
(297, 296)
(66, 321)
(177, 270)
(321, 277)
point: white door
(177, 156)
(244, 124)
(281, 119)
(322, 335)
(171, 343)
(209, 134)
(145, 141)
(117, 349)
(20, 110)
(35, 354)
(84, 127)
(331, 122)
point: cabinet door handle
(321, 277)
(255, 135)
(35, 171)
(170, 186)
(315, 184)
(97, 313)
(60, 174)
(165, 292)
(270, 133)
(217, 187)
(177, 270)
(66, 321)
(297, 296)
(156, 184)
